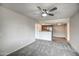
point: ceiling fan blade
(39, 7)
(50, 14)
(55, 8)
(41, 10)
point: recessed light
(59, 23)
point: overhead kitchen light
(59, 24)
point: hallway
(46, 48)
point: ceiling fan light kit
(45, 12)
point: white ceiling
(64, 10)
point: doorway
(60, 32)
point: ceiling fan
(45, 12)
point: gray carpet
(46, 48)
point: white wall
(74, 31)
(45, 36)
(17, 31)
(68, 31)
